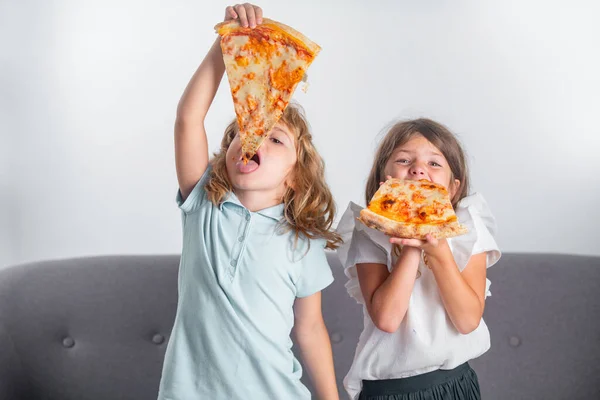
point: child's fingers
(407, 242)
(259, 15)
(241, 12)
(230, 13)
(387, 177)
(432, 240)
(251, 15)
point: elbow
(385, 319)
(468, 322)
(387, 324)
(185, 118)
(468, 325)
(305, 332)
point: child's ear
(290, 182)
(454, 187)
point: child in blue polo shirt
(253, 261)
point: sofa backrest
(97, 328)
(544, 322)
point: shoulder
(473, 212)
(357, 237)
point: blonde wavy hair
(309, 209)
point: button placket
(239, 246)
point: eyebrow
(412, 152)
(276, 129)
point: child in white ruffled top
(422, 320)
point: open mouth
(247, 165)
(254, 158)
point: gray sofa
(97, 328)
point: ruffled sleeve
(474, 213)
(361, 245)
(365, 245)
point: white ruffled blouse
(426, 339)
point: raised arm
(191, 147)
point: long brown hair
(309, 209)
(400, 133)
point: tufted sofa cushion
(91, 328)
(96, 328)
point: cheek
(284, 166)
(388, 170)
(393, 170)
(284, 156)
(234, 147)
(445, 177)
(287, 163)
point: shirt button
(241, 239)
(247, 217)
(233, 263)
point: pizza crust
(409, 230)
(412, 209)
(227, 27)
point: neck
(258, 200)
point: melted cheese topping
(413, 202)
(263, 68)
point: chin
(252, 181)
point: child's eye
(434, 164)
(402, 161)
(276, 141)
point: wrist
(410, 252)
(440, 255)
(409, 256)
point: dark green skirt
(459, 383)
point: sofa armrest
(12, 379)
(13, 382)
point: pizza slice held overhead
(264, 65)
(412, 209)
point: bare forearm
(390, 301)
(201, 89)
(191, 145)
(461, 302)
(315, 350)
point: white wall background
(88, 91)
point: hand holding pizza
(435, 251)
(430, 245)
(248, 14)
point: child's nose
(417, 171)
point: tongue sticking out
(250, 166)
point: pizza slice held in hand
(264, 65)
(412, 209)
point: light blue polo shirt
(238, 278)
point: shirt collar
(274, 212)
